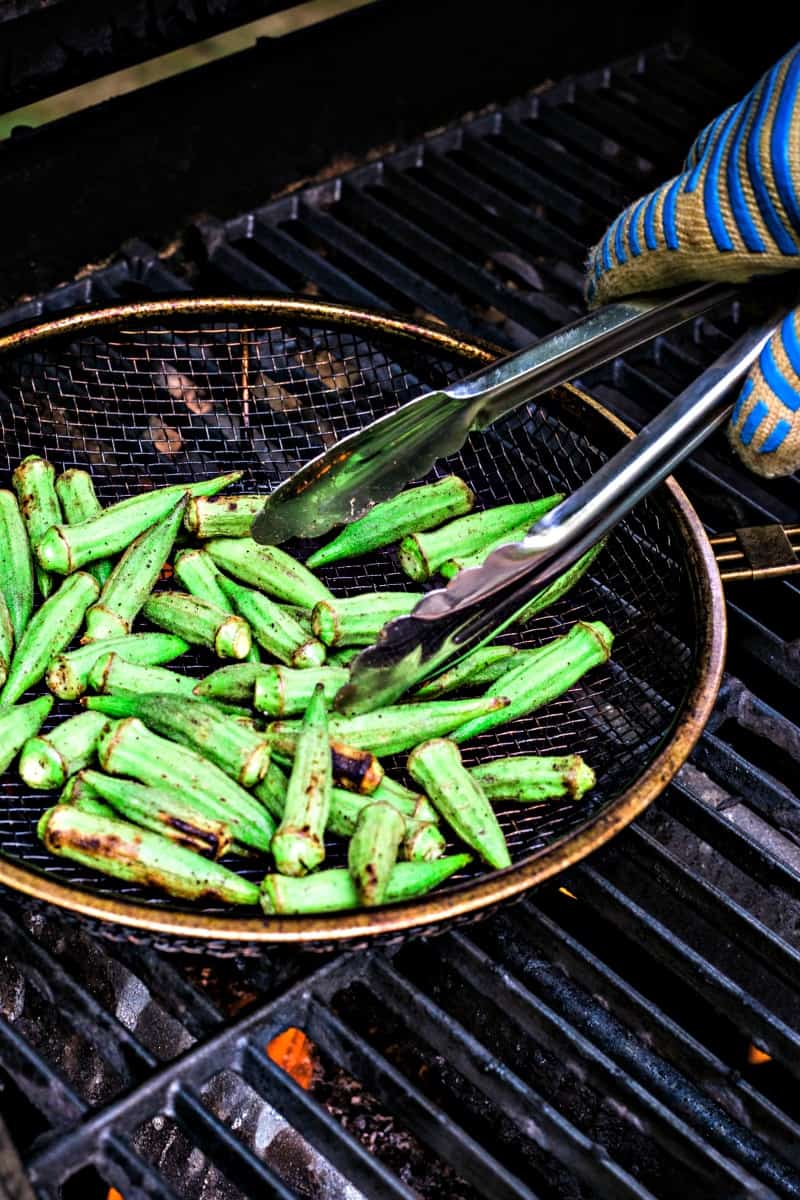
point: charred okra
(373, 849)
(200, 622)
(357, 620)
(437, 767)
(421, 840)
(298, 845)
(269, 569)
(34, 482)
(48, 760)
(273, 628)
(334, 890)
(133, 578)
(353, 769)
(198, 573)
(68, 674)
(227, 516)
(412, 511)
(281, 691)
(18, 723)
(531, 778)
(124, 851)
(16, 564)
(79, 502)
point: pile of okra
(160, 775)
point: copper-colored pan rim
(497, 886)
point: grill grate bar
(331, 281)
(42, 1084)
(128, 1173)
(514, 1098)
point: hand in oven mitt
(732, 214)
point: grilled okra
(48, 760)
(462, 561)
(357, 620)
(124, 851)
(271, 790)
(298, 845)
(16, 564)
(412, 511)
(421, 840)
(421, 554)
(334, 890)
(547, 674)
(437, 767)
(373, 850)
(65, 548)
(353, 769)
(268, 568)
(273, 628)
(68, 674)
(79, 502)
(49, 631)
(111, 675)
(133, 578)
(200, 622)
(34, 482)
(7, 640)
(461, 675)
(198, 573)
(281, 691)
(163, 812)
(19, 722)
(233, 684)
(530, 778)
(411, 804)
(559, 587)
(227, 516)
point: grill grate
(593, 1040)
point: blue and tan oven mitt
(733, 213)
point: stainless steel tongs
(480, 602)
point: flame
(756, 1057)
(291, 1051)
(565, 892)
(113, 1194)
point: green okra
(298, 845)
(88, 804)
(530, 778)
(34, 482)
(559, 587)
(65, 548)
(6, 640)
(271, 790)
(68, 674)
(129, 748)
(421, 554)
(353, 769)
(48, 760)
(201, 623)
(16, 564)
(301, 615)
(373, 850)
(163, 812)
(125, 851)
(133, 578)
(342, 656)
(18, 723)
(78, 790)
(357, 620)
(280, 691)
(463, 673)
(400, 726)
(335, 890)
(49, 632)
(411, 804)
(412, 511)
(421, 840)
(227, 516)
(274, 630)
(233, 684)
(198, 573)
(463, 561)
(111, 675)
(79, 502)
(547, 674)
(269, 569)
(437, 767)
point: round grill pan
(156, 393)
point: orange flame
(291, 1051)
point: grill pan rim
(424, 914)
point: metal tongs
(479, 603)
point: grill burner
(568, 1047)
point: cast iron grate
(595, 1040)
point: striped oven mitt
(733, 213)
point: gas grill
(630, 1030)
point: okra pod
(400, 726)
(335, 890)
(421, 554)
(461, 675)
(34, 482)
(65, 548)
(200, 622)
(16, 564)
(373, 850)
(7, 640)
(530, 778)
(49, 632)
(280, 691)
(437, 767)
(88, 804)
(269, 569)
(412, 511)
(78, 791)
(547, 674)
(411, 804)
(301, 615)
(79, 502)
(559, 587)
(298, 845)
(199, 725)
(163, 812)
(18, 723)
(228, 516)
(124, 851)
(129, 748)
(274, 630)
(111, 675)
(462, 561)
(342, 656)
(271, 790)
(133, 578)
(198, 573)
(68, 674)
(353, 769)
(421, 841)
(357, 620)
(48, 760)
(233, 684)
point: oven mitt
(733, 213)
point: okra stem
(335, 890)
(16, 564)
(200, 622)
(34, 482)
(280, 691)
(48, 760)
(269, 569)
(530, 778)
(372, 852)
(353, 769)
(227, 516)
(68, 674)
(18, 723)
(298, 845)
